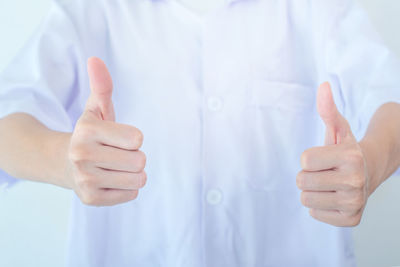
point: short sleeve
(42, 80)
(363, 70)
(360, 66)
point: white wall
(377, 239)
(34, 217)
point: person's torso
(226, 105)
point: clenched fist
(106, 164)
(334, 177)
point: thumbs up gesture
(334, 177)
(106, 165)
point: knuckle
(305, 200)
(137, 137)
(142, 180)
(74, 155)
(351, 203)
(351, 217)
(90, 198)
(85, 130)
(313, 213)
(86, 182)
(79, 157)
(356, 158)
(138, 180)
(358, 202)
(300, 180)
(133, 195)
(79, 154)
(357, 181)
(305, 159)
(141, 160)
(354, 220)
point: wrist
(56, 148)
(375, 162)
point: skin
(101, 161)
(337, 179)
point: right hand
(106, 165)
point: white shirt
(226, 104)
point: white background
(34, 217)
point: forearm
(381, 144)
(29, 150)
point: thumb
(100, 100)
(337, 128)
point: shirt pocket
(287, 97)
(284, 116)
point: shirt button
(214, 103)
(214, 197)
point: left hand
(334, 177)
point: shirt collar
(228, 2)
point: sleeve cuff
(52, 116)
(371, 104)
